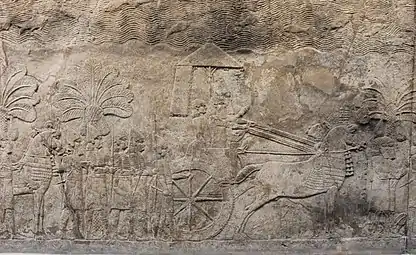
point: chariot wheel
(201, 205)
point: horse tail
(244, 173)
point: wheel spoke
(201, 187)
(190, 198)
(180, 189)
(190, 216)
(190, 185)
(184, 205)
(181, 199)
(201, 199)
(203, 211)
(189, 205)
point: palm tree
(91, 104)
(382, 104)
(17, 100)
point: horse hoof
(240, 236)
(40, 236)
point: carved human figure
(121, 190)
(96, 189)
(72, 189)
(6, 185)
(388, 166)
(159, 202)
(219, 111)
(137, 161)
(200, 127)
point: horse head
(338, 138)
(43, 143)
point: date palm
(91, 104)
(17, 99)
(383, 104)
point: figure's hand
(32, 185)
(363, 146)
(112, 170)
(17, 166)
(241, 150)
(317, 146)
(58, 168)
(359, 147)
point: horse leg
(42, 212)
(63, 223)
(263, 194)
(330, 197)
(36, 212)
(38, 202)
(44, 188)
(253, 209)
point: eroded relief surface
(137, 120)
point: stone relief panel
(138, 120)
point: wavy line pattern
(40, 21)
(230, 24)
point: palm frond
(17, 99)
(373, 90)
(23, 112)
(65, 97)
(402, 114)
(374, 100)
(72, 113)
(98, 95)
(109, 89)
(6, 85)
(116, 93)
(404, 105)
(120, 109)
(405, 95)
(405, 112)
(71, 87)
(382, 113)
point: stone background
(152, 123)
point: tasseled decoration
(349, 165)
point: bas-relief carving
(110, 191)
(220, 168)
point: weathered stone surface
(234, 125)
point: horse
(322, 173)
(37, 164)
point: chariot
(203, 187)
(209, 88)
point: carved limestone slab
(167, 125)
